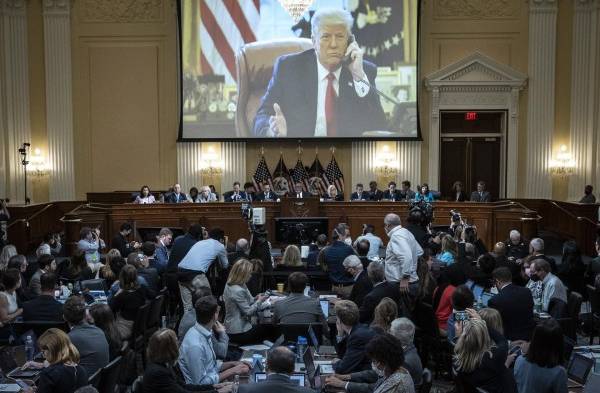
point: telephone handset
(346, 60)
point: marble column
(363, 160)
(189, 162)
(59, 106)
(540, 108)
(14, 80)
(233, 155)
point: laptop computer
(323, 350)
(296, 377)
(325, 307)
(578, 369)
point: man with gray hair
(362, 284)
(401, 257)
(327, 91)
(242, 249)
(404, 330)
(536, 251)
(545, 286)
(515, 247)
(381, 289)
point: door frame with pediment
(477, 82)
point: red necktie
(330, 106)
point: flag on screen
(300, 175)
(281, 178)
(334, 174)
(225, 26)
(262, 175)
(316, 183)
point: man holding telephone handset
(328, 91)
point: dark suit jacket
(228, 196)
(303, 194)
(43, 308)
(337, 198)
(361, 288)
(120, 243)
(484, 197)
(262, 197)
(515, 305)
(160, 379)
(172, 198)
(293, 86)
(372, 299)
(181, 246)
(351, 351)
(395, 196)
(461, 197)
(364, 196)
(375, 195)
(275, 383)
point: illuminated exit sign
(471, 116)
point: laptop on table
(578, 370)
(323, 350)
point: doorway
(472, 148)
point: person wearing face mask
(362, 284)
(547, 287)
(515, 305)
(387, 373)
(334, 255)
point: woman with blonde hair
(449, 251)
(61, 371)
(291, 257)
(332, 194)
(492, 319)
(479, 357)
(240, 306)
(8, 252)
(385, 312)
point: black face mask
(534, 277)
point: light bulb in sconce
(386, 164)
(211, 166)
(563, 164)
(37, 164)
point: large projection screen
(355, 76)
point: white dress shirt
(361, 88)
(401, 255)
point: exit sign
(470, 116)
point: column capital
(543, 6)
(14, 7)
(57, 7)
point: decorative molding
(476, 82)
(122, 11)
(58, 7)
(541, 97)
(12, 6)
(476, 9)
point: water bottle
(300, 348)
(236, 384)
(163, 322)
(29, 349)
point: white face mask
(348, 241)
(379, 371)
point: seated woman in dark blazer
(162, 353)
(457, 193)
(332, 194)
(62, 373)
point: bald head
(281, 360)
(242, 245)
(390, 222)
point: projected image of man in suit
(328, 91)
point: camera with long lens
(425, 208)
(246, 208)
(456, 217)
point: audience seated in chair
(354, 338)
(102, 316)
(381, 289)
(362, 285)
(44, 307)
(385, 312)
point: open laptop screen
(579, 368)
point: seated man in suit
(588, 197)
(375, 194)
(391, 194)
(481, 195)
(381, 289)
(235, 195)
(249, 191)
(298, 308)
(46, 264)
(359, 195)
(515, 305)
(44, 307)
(175, 197)
(327, 91)
(406, 194)
(351, 348)
(266, 195)
(362, 284)
(280, 365)
(298, 192)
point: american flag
(334, 175)
(225, 26)
(317, 178)
(300, 175)
(281, 178)
(262, 175)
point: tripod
(25, 162)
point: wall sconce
(295, 8)
(211, 165)
(37, 165)
(386, 164)
(563, 164)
